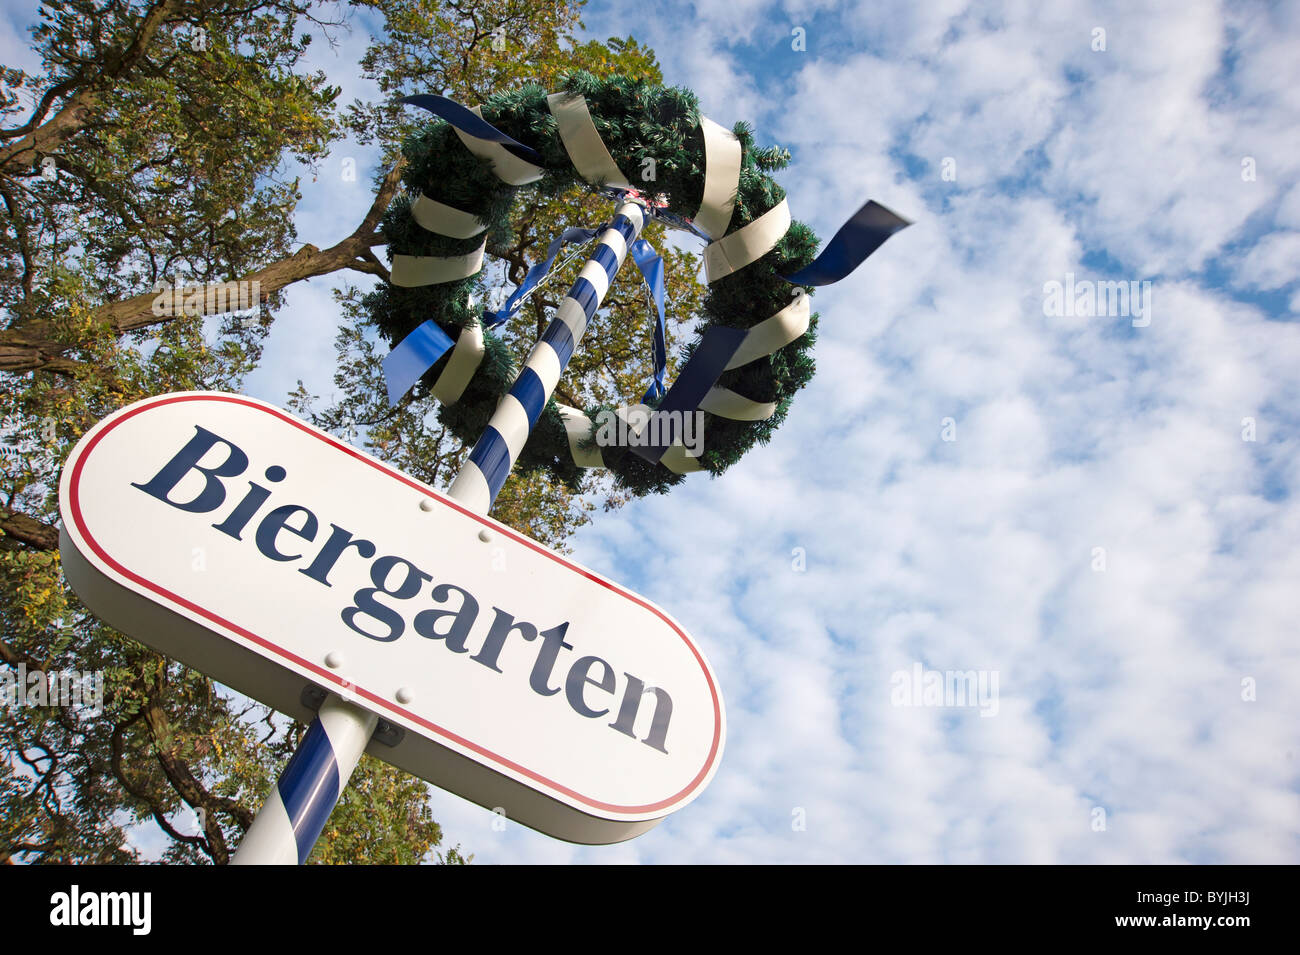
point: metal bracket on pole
(386, 733)
(294, 814)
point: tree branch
(118, 745)
(27, 530)
(191, 790)
(33, 348)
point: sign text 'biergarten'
(254, 547)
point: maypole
(294, 814)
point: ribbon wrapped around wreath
(741, 371)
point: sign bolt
(334, 659)
(426, 504)
(404, 695)
(485, 535)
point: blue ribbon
(470, 123)
(700, 373)
(537, 273)
(413, 356)
(651, 264)
(858, 238)
(865, 232)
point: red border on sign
(326, 675)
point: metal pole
(294, 814)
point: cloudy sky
(1098, 536)
(1095, 512)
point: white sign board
(258, 549)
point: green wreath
(637, 122)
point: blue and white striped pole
(294, 814)
(296, 811)
(489, 464)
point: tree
(157, 144)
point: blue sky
(1100, 513)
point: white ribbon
(579, 427)
(464, 361)
(722, 155)
(445, 220)
(746, 245)
(582, 142)
(508, 167)
(410, 271)
(728, 404)
(676, 459)
(773, 334)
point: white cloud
(1272, 262)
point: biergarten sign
(248, 544)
